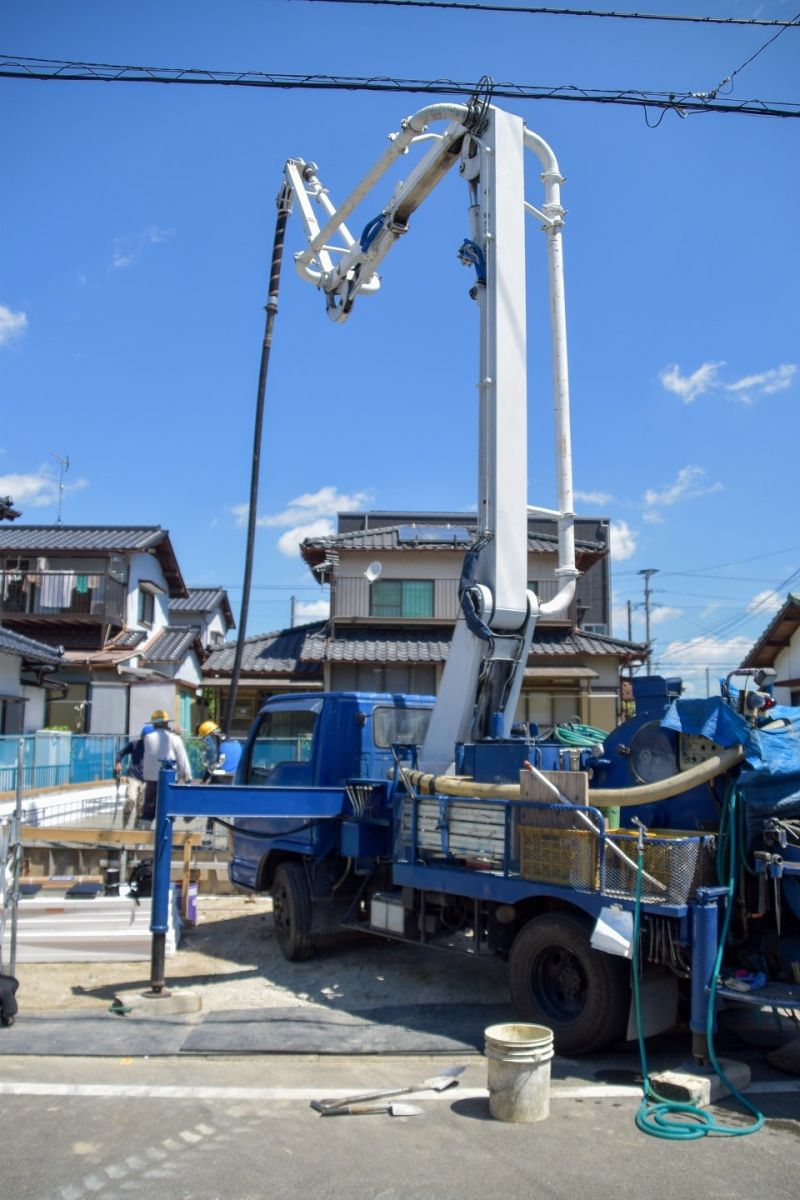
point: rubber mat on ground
(90, 1034)
(396, 1029)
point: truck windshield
(282, 736)
(406, 725)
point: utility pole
(293, 612)
(648, 572)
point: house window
(401, 598)
(146, 607)
(11, 710)
(216, 638)
(70, 711)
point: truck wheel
(558, 980)
(291, 912)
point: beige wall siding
(352, 596)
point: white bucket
(519, 1071)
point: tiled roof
(205, 600)
(316, 549)
(95, 539)
(279, 653)
(427, 646)
(128, 639)
(171, 644)
(27, 648)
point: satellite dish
(373, 572)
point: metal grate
(677, 865)
(566, 857)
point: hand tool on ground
(438, 1083)
(360, 1110)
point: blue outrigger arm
(220, 800)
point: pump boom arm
(480, 687)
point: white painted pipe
(554, 214)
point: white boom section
(481, 683)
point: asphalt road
(242, 1129)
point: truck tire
(558, 980)
(291, 912)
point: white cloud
(38, 489)
(623, 541)
(689, 387)
(312, 610)
(750, 388)
(768, 601)
(601, 498)
(128, 250)
(308, 515)
(327, 502)
(701, 659)
(12, 324)
(289, 542)
(663, 612)
(688, 485)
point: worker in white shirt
(160, 744)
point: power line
(729, 78)
(541, 10)
(682, 103)
(736, 562)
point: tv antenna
(63, 467)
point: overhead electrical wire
(527, 10)
(683, 103)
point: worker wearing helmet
(159, 745)
(134, 790)
(211, 734)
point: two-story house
(394, 600)
(206, 609)
(26, 673)
(103, 593)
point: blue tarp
(770, 776)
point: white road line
(600, 1091)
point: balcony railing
(71, 594)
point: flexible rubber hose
(656, 1115)
(582, 737)
(646, 793)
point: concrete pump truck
(439, 822)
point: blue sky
(135, 232)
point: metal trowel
(438, 1083)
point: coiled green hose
(582, 737)
(671, 1119)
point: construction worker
(134, 790)
(160, 744)
(211, 734)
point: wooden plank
(71, 835)
(572, 784)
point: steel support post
(162, 861)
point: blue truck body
(324, 817)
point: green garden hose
(671, 1119)
(581, 737)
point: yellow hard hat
(159, 717)
(208, 727)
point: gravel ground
(231, 958)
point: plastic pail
(519, 1071)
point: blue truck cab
(328, 755)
